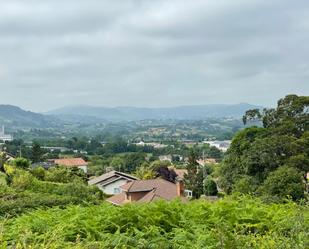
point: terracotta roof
(71, 162)
(110, 177)
(117, 199)
(154, 189)
(180, 172)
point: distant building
(5, 137)
(221, 145)
(111, 182)
(166, 158)
(72, 163)
(203, 162)
(52, 149)
(154, 145)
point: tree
(161, 169)
(117, 163)
(36, 152)
(21, 163)
(194, 178)
(145, 173)
(210, 187)
(256, 152)
(284, 182)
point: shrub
(21, 163)
(245, 185)
(284, 182)
(63, 174)
(244, 222)
(210, 187)
(39, 173)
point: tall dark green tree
(36, 152)
(194, 178)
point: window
(116, 190)
(188, 193)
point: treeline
(272, 160)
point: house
(203, 162)
(72, 163)
(221, 145)
(111, 182)
(5, 137)
(145, 191)
(166, 158)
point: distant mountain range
(136, 113)
(15, 117)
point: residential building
(72, 162)
(203, 162)
(221, 145)
(5, 137)
(111, 182)
(145, 191)
(166, 158)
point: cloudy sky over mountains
(152, 53)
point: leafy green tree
(118, 163)
(36, 152)
(256, 152)
(132, 161)
(22, 163)
(245, 185)
(144, 172)
(210, 187)
(284, 182)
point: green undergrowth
(21, 192)
(234, 222)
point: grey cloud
(152, 53)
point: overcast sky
(152, 52)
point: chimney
(180, 188)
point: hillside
(136, 113)
(15, 117)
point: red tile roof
(152, 189)
(117, 199)
(71, 162)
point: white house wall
(109, 189)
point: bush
(284, 182)
(21, 163)
(27, 192)
(245, 185)
(39, 173)
(244, 222)
(210, 187)
(63, 174)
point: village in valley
(164, 163)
